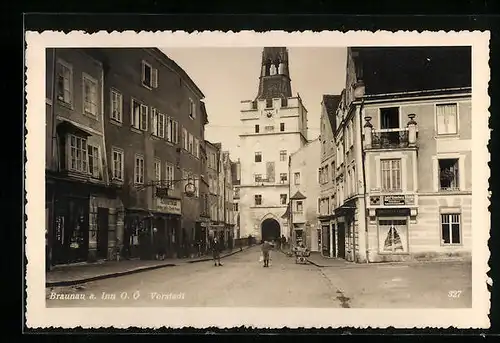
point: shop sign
(171, 206)
(392, 200)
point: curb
(67, 283)
(399, 263)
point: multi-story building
(406, 153)
(304, 191)
(235, 175)
(83, 220)
(327, 178)
(213, 167)
(202, 229)
(228, 194)
(274, 125)
(153, 125)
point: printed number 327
(454, 294)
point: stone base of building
(430, 256)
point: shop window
(393, 235)
(448, 174)
(450, 229)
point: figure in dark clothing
(216, 251)
(266, 248)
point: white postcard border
(38, 316)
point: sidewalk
(69, 275)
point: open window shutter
(143, 72)
(154, 76)
(144, 118)
(154, 121)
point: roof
(298, 196)
(204, 112)
(331, 102)
(404, 69)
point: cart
(301, 255)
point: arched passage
(270, 229)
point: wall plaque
(394, 200)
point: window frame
(282, 127)
(285, 197)
(88, 78)
(450, 228)
(62, 63)
(457, 119)
(157, 170)
(138, 181)
(296, 178)
(255, 197)
(120, 152)
(84, 161)
(153, 75)
(192, 109)
(283, 155)
(96, 159)
(112, 116)
(390, 171)
(170, 178)
(259, 154)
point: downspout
(105, 154)
(363, 157)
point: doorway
(102, 232)
(270, 229)
(341, 240)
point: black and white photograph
(288, 179)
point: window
(269, 103)
(78, 154)
(192, 109)
(170, 175)
(446, 119)
(139, 117)
(175, 132)
(256, 128)
(283, 154)
(448, 174)
(391, 175)
(296, 178)
(116, 106)
(89, 95)
(184, 139)
(64, 82)
(191, 142)
(235, 207)
(258, 157)
(258, 177)
(283, 198)
(333, 171)
(94, 165)
(284, 102)
(258, 199)
(149, 75)
(283, 177)
(282, 127)
(117, 167)
(158, 124)
(450, 229)
(157, 170)
(299, 206)
(197, 147)
(319, 176)
(139, 169)
(196, 182)
(389, 118)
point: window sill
(444, 245)
(90, 115)
(145, 85)
(115, 122)
(136, 130)
(63, 103)
(453, 136)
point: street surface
(243, 282)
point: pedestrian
(266, 248)
(216, 251)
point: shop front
(167, 231)
(392, 232)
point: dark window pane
(455, 233)
(445, 228)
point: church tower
(274, 126)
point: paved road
(243, 282)
(240, 282)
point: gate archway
(270, 229)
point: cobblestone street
(243, 282)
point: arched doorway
(270, 229)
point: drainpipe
(105, 155)
(363, 157)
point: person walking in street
(216, 251)
(266, 248)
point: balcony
(394, 138)
(390, 138)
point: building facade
(153, 125)
(305, 191)
(274, 126)
(327, 177)
(406, 161)
(228, 195)
(83, 219)
(235, 175)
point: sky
(228, 76)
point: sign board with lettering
(394, 200)
(171, 206)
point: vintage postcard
(265, 180)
